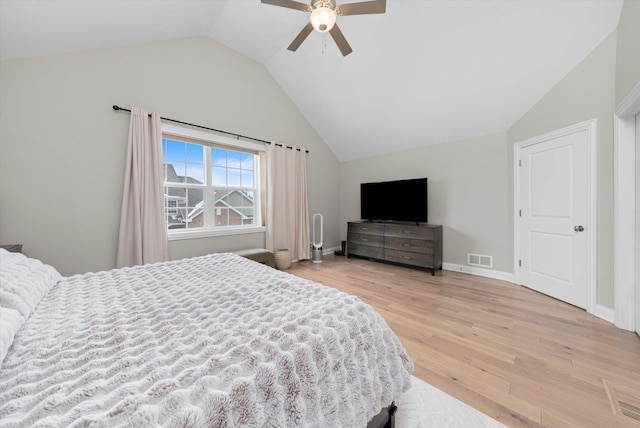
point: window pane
(234, 208)
(175, 207)
(183, 162)
(222, 216)
(195, 173)
(246, 208)
(234, 159)
(247, 179)
(183, 207)
(218, 157)
(194, 217)
(221, 204)
(233, 177)
(175, 150)
(232, 168)
(247, 161)
(173, 172)
(219, 176)
(195, 153)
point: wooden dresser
(409, 244)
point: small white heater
(316, 246)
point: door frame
(626, 224)
(590, 127)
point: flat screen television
(399, 200)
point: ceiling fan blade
(300, 37)
(340, 40)
(362, 8)
(290, 4)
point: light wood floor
(519, 356)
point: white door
(553, 214)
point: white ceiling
(425, 72)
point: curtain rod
(116, 108)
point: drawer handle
(406, 258)
(410, 232)
(364, 240)
(364, 228)
(404, 244)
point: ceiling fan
(323, 18)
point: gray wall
(467, 193)
(471, 182)
(628, 50)
(587, 92)
(62, 147)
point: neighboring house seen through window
(209, 187)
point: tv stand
(411, 244)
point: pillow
(23, 283)
(10, 322)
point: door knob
(578, 228)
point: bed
(212, 341)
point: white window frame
(209, 139)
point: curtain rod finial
(115, 107)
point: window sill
(195, 234)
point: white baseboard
(327, 251)
(601, 312)
(605, 313)
(488, 273)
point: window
(209, 187)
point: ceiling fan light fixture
(323, 18)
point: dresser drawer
(363, 239)
(408, 258)
(411, 245)
(365, 251)
(367, 228)
(408, 231)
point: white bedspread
(214, 341)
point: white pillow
(23, 283)
(10, 322)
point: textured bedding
(213, 341)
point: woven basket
(283, 259)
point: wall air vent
(480, 260)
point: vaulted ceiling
(425, 72)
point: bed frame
(385, 419)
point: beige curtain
(287, 208)
(143, 231)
